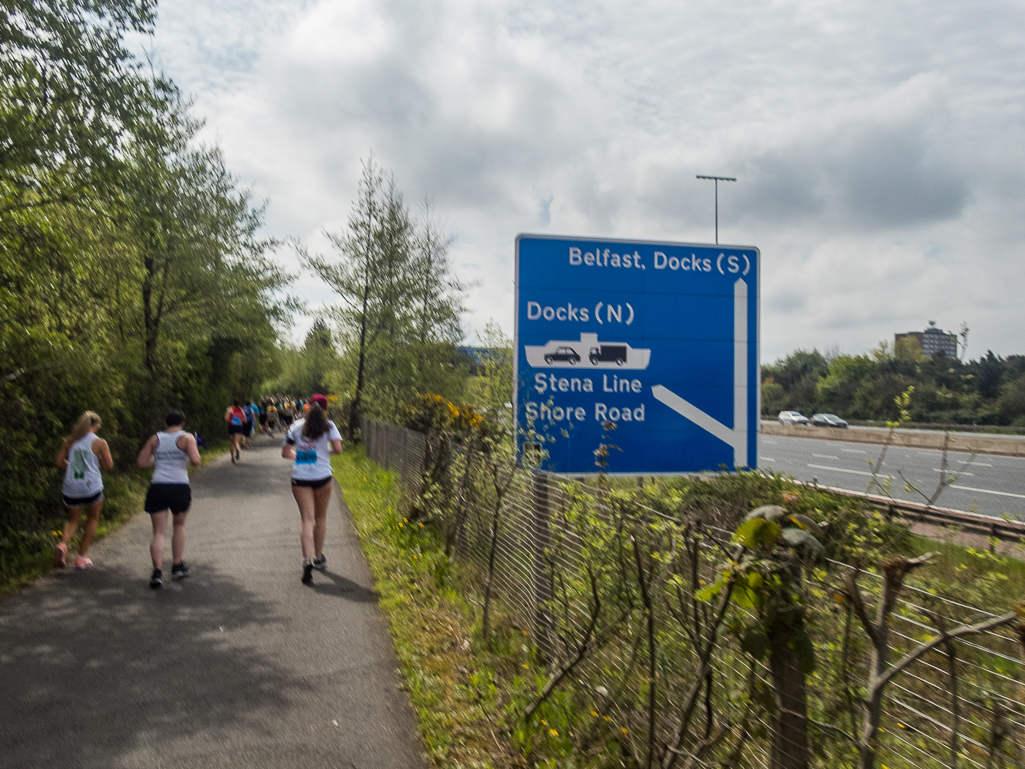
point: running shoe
(180, 570)
(60, 554)
(307, 571)
(82, 562)
(233, 457)
(320, 562)
(157, 580)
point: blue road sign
(659, 339)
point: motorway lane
(240, 665)
(985, 483)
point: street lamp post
(717, 180)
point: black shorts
(176, 497)
(82, 501)
(248, 429)
(317, 484)
(234, 429)
(263, 419)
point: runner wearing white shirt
(169, 453)
(81, 457)
(309, 443)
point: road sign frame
(737, 430)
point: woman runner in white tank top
(169, 453)
(309, 443)
(81, 457)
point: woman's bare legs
(313, 504)
(74, 516)
(92, 520)
(305, 498)
(321, 499)
(178, 537)
(156, 544)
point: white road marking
(766, 440)
(768, 459)
(825, 456)
(982, 464)
(958, 473)
(844, 470)
(988, 491)
(854, 451)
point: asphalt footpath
(239, 665)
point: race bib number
(306, 457)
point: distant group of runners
(310, 439)
(250, 418)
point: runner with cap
(309, 443)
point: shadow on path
(117, 668)
(342, 587)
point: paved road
(991, 485)
(238, 666)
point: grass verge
(452, 682)
(466, 691)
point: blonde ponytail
(85, 423)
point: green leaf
(709, 592)
(744, 597)
(757, 533)
(747, 534)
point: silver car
(792, 418)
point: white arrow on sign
(736, 437)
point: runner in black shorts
(310, 444)
(82, 457)
(236, 419)
(170, 453)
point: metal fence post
(542, 586)
(404, 465)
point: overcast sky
(879, 147)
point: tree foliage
(990, 390)
(132, 275)
(399, 316)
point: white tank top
(82, 477)
(312, 457)
(172, 464)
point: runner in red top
(236, 419)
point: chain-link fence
(619, 593)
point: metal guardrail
(988, 525)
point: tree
(71, 95)
(400, 305)
(838, 390)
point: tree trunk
(790, 722)
(151, 320)
(357, 401)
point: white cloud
(878, 148)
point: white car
(792, 418)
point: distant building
(932, 341)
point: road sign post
(660, 339)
